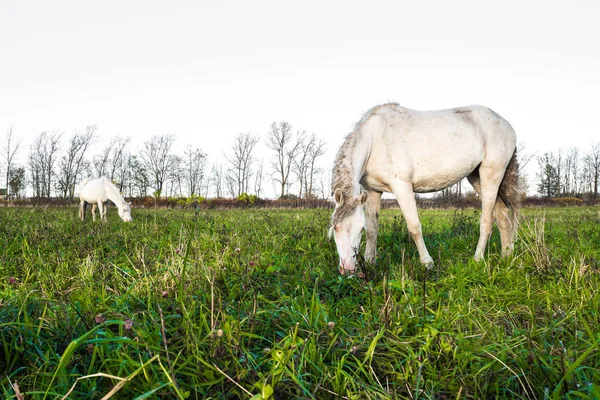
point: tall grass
(249, 304)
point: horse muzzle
(347, 267)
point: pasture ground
(248, 303)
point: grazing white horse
(97, 192)
(402, 151)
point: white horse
(402, 151)
(97, 192)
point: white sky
(206, 71)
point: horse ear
(363, 197)
(129, 204)
(338, 196)
(330, 233)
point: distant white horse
(402, 151)
(97, 192)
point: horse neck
(112, 193)
(350, 164)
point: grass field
(249, 304)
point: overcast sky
(206, 71)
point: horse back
(93, 190)
(434, 149)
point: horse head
(347, 225)
(125, 211)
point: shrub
(247, 198)
(568, 201)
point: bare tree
(35, 170)
(156, 156)
(592, 165)
(258, 181)
(102, 160)
(120, 170)
(231, 184)
(10, 150)
(205, 188)
(558, 166)
(195, 165)
(109, 162)
(42, 159)
(118, 160)
(114, 162)
(323, 177)
(310, 148)
(175, 176)
(217, 179)
(571, 171)
(315, 150)
(524, 157)
(240, 162)
(280, 139)
(125, 174)
(70, 165)
(139, 181)
(300, 162)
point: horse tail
(509, 191)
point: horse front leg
(372, 207)
(94, 212)
(81, 210)
(406, 199)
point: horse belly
(93, 192)
(433, 176)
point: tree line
(56, 164)
(569, 173)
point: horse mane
(341, 176)
(113, 190)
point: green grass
(236, 304)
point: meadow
(249, 304)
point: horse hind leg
(102, 209)
(500, 215)
(489, 182)
(82, 210)
(94, 212)
(505, 225)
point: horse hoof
(427, 262)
